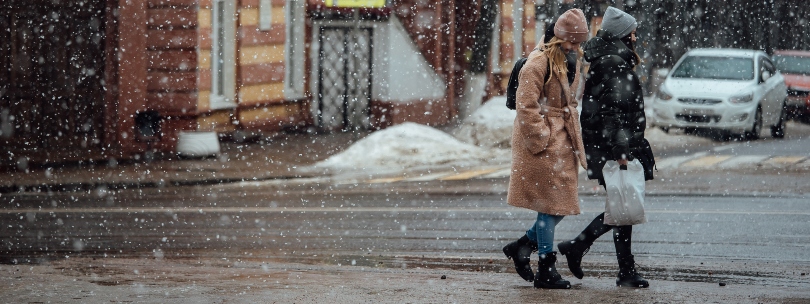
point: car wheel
(757, 127)
(778, 130)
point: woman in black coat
(613, 124)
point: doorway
(344, 75)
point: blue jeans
(543, 232)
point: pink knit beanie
(571, 26)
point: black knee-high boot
(628, 277)
(520, 252)
(575, 249)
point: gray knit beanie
(618, 23)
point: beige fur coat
(546, 141)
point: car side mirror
(765, 76)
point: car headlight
(742, 98)
(663, 94)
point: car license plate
(698, 112)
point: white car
(728, 90)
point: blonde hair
(556, 57)
(638, 60)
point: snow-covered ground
(481, 139)
(410, 145)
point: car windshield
(792, 64)
(712, 67)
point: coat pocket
(538, 142)
(557, 135)
(538, 135)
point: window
(769, 66)
(765, 65)
(711, 67)
(517, 32)
(495, 47)
(265, 15)
(223, 55)
(793, 64)
(294, 45)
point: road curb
(83, 186)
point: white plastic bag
(625, 194)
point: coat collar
(569, 91)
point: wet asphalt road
(753, 232)
(387, 229)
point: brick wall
(171, 78)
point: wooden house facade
(98, 79)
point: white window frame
(294, 72)
(223, 54)
(539, 23)
(495, 48)
(517, 32)
(265, 15)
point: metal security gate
(344, 75)
(51, 71)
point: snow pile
(410, 145)
(489, 126)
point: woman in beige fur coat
(547, 146)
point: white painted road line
(782, 161)
(429, 177)
(706, 161)
(469, 174)
(502, 173)
(743, 161)
(672, 162)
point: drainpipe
(476, 77)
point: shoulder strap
(511, 88)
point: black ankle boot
(628, 277)
(520, 252)
(547, 276)
(573, 251)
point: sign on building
(355, 3)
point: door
(51, 71)
(771, 106)
(344, 75)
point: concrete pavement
(275, 158)
(255, 280)
(214, 278)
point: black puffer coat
(612, 118)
